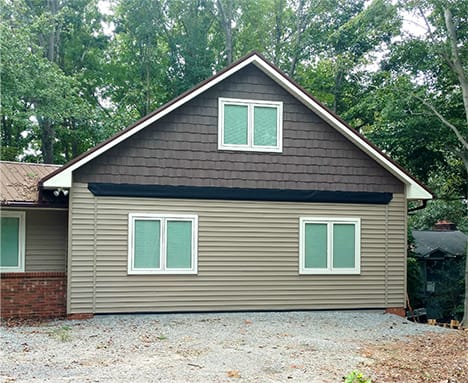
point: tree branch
(431, 35)
(444, 121)
(455, 59)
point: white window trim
(132, 217)
(21, 241)
(329, 221)
(250, 128)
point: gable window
(12, 239)
(250, 125)
(329, 245)
(162, 244)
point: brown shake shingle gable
(414, 189)
(19, 181)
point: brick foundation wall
(33, 295)
(396, 310)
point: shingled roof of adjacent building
(451, 242)
(19, 181)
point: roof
(450, 242)
(414, 190)
(19, 181)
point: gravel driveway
(235, 347)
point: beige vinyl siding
(46, 240)
(248, 257)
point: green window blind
(147, 244)
(344, 245)
(235, 124)
(315, 245)
(179, 245)
(265, 126)
(9, 246)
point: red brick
(396, 310)
(33, 295)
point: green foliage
(415, 283)
(351, 34)
(49, 75)
(356, 377)
(63, 333)
(447, 301)
(452, 210)
(451, 205)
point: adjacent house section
(441, 254)
(33, 243)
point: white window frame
(251, 104)
(21, 215)
(330, 221)
(163, 218)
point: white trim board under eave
(413, 189)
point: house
(244, 193)
(33, 243)
(437, 250)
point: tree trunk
(456, 63)
(46, 125)
(301, 19)
(279, 8)
(458, 69)
(226, 22)
(148, 87)
(337, 91)
(47, 140)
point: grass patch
(63, 333)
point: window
(250, 125)
(329, 245)
(162, 244)
(12, 238)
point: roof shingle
(18, 180)
(450, 242)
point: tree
(48, 100)
(418, 104)
(447, 35)
(343, 40)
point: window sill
(330, 272)
(162, 272)
(250, 149)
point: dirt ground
(437, 358)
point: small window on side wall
(12, 241)
(162, 244)
(329, 245)
(250, 125)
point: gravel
(220, 347)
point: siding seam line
(94, 252)
(386, 256)
(69, 249)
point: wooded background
(75, 72)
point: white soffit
(413, 190)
